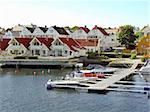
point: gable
(25, 31)
(38, 31)
(51, 31)
(13, 42)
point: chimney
(85, 26)
(95, 26)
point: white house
(40, 46)
(106, 41)
(56, 32)
(66, 47)
(113, 34)
(90, 45)
(8, 33)
(39, 31)
(146, 30)
(81, 33)
(18, 46)
(27, 32)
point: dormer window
(57, 43)
(51, 31)
(14, 43)
(36, 43)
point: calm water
(22, 91)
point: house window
(32, 52)
(36, 43)
(57, 43)
(44, 52)
(65, 52)
(143, 46)
(51, 31)
(15, 51)
(70, 52)
(37, 52)
(22, 52)
(112, 39)
(11, 52)
(14, 43)
(59, 53)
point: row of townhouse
(42, 46)
(108, 39)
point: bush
(92, 55)
(103, 57)
(133, 56)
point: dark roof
(4, 43)
(30, 29)
(60, 30)
(44, 29)
(9, 29)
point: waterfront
(24, 90)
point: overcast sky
(103, 13)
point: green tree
(127, 37)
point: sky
(104, 13)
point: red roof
(87, 42)
(101, 30)
(4, 43)
(85, 29)
(24, 41)
(46, 41)
(71, 43)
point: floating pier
(104, 84)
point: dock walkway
(104, 84)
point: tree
(127, 37)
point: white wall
(38, 32)
(52, 32)
(25, 32)
(79, 34)
(95, 33)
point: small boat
(60, 83)
(145, 69)
(98, 69)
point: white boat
(98, 69)
(64, 84)
(145, 69)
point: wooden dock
(104, 84)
